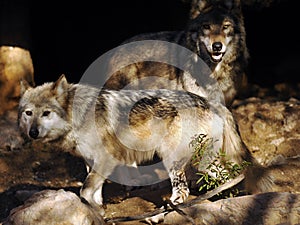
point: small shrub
(218, 170)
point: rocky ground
(268, 123)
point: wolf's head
(42, 112)
(216, 28)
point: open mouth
(216, 56)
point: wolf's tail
(257, 178)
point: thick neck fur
(82, 98)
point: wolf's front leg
(180, 190)
(91, 191)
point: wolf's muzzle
(217, 54)
(217, 46)
(34, 133)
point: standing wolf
(216, 34)
(110, 128)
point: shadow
(262, 206)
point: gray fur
(112, 128)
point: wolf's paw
(179, 195)
(99, 209)
(96, 208)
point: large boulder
(15, 64)
(270, 129)
(51, 207)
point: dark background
(66, 37)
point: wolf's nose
(34, 133)
(217, 46)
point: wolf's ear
(232, 4)
(60, 86)
(197, 7)
(24, 86)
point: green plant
(217, 169)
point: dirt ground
(26, 171)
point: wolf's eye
(28, 113)
(46, 113)
(226, 26)
(206, 26)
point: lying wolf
(111, 128)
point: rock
(51, 207)
(15, 64)
(10, 138)
(269, 128)
(261, 209)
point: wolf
(216, 34)
(109, 128)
